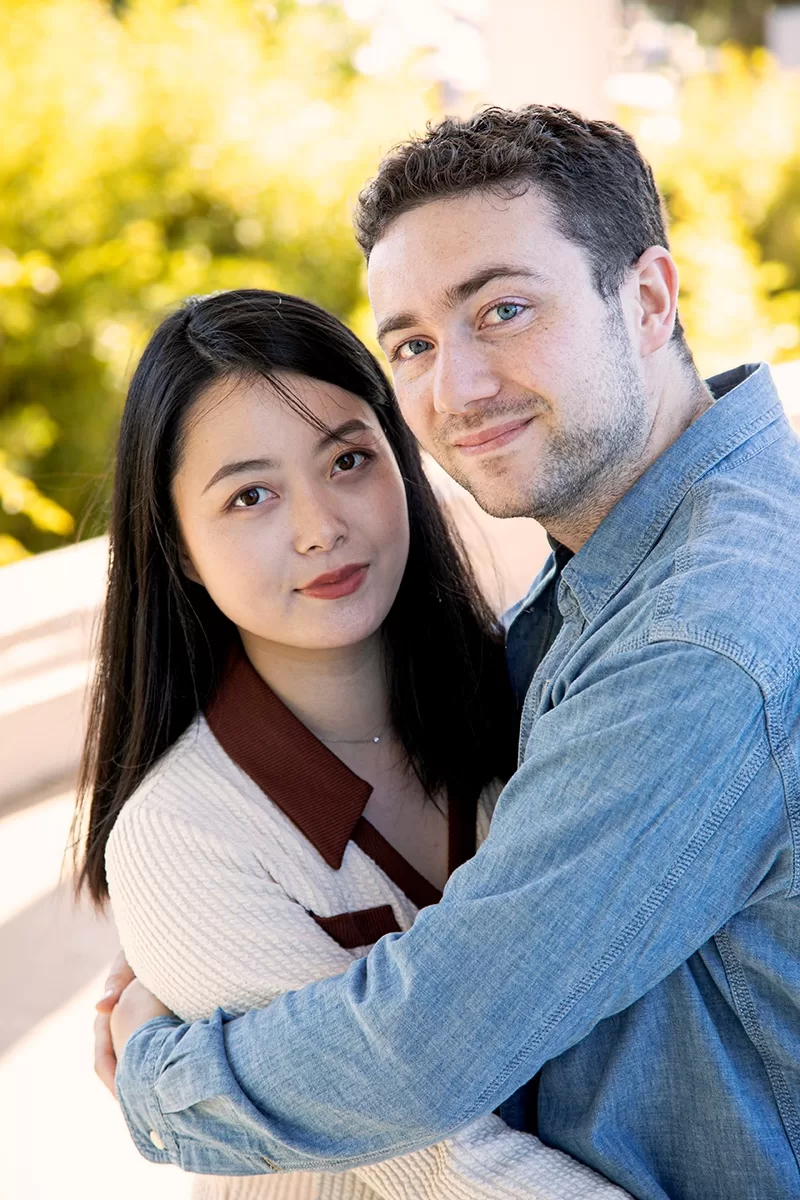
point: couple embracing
(420, 906)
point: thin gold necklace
(351, 741)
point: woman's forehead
(292, 408)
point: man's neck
(340, 694)
(680, 397)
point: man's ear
(655, 280)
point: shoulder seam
(664, 630)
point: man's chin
(498, 499)
(500, 496)
(502, 507)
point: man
(629, 930)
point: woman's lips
(334, 584)
(493, 438)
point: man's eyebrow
(238, 468)
(460, 292)
(402, 320)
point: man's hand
(124, 1006)
(105, 1061)
(135, 1007)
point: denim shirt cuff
(137, 1075)
(183, 1105)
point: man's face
(510, 368)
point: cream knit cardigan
(211, 886)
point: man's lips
(333, 584)
(493, 437)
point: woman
(301, 715)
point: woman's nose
(318, 527)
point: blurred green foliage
(176, 147)
(721, 20)
(170, 149)
(728, 164)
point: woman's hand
(140, 1006)
(135, 1006)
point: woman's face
(301, 540)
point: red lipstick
(334, 584)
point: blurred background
(153, 149)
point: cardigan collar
(314, 788)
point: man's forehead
(450, 295)
(454, 220)
(436, 250)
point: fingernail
(108, 992)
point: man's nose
(462, 376)
(317, 525)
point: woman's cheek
(239, 575)
(391, 531)
(399, 516)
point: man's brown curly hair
(601, 190)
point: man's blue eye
(410, 349)
(506, 311)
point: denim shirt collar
(746, 401)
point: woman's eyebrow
(237, 468)
(342, 433)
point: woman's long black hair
(163, 641)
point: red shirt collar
(314, 788)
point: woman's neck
(341, 695)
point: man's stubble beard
(583, 470)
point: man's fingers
(109, 998)
(118, 979)
(105, 1063)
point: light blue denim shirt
(630, 928)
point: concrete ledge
(787, 381)
(48, 610)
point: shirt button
(156, 1140)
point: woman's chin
(336, 631)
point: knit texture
(215, 892)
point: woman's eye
(412, 348)
(504, 312)
(350, 460)
(251, 496)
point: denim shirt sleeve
(648, 810)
